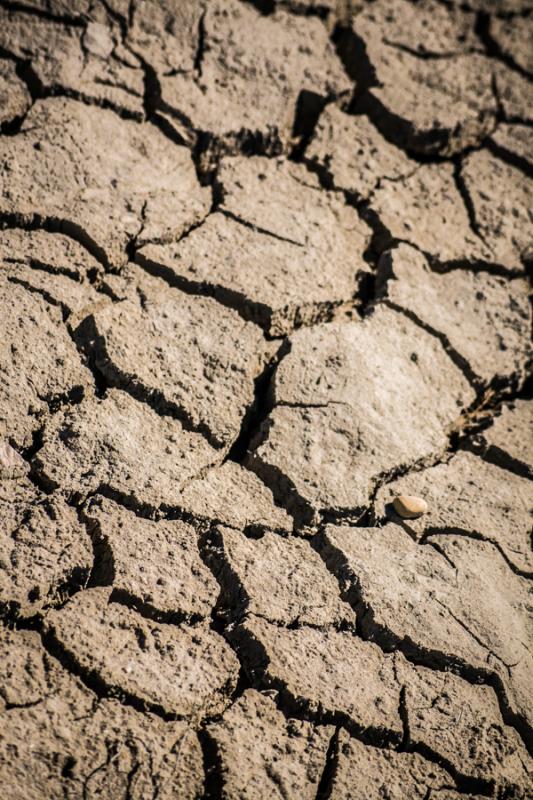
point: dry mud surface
(263, 267)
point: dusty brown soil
(263, 268)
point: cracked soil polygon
(137, 344)
(53, 266)
(456, 603)
(272, 577)
(504, 443)
(153, 564)
(54, 253)
(514, 40)
(484, 319)
(501, 197)
(120, 444)
(89, 748)
(514, 92)
(258, 68)
(354, 153)
(426, 209)
(165, 35)
(75, 60)
(427, 87)
(292, 271)
(84, 184)
(347, 399)
(15, 99)
(44, 548)
(320, 672)
(179, 670)
(231, 495)
(365, 773)
(38, 361)
(515, 142)
(462, 723)
(265, 755)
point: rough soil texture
(264, 266)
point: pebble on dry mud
(408, 506)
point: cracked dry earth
(263, 267)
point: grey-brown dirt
(264, 266)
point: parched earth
(263, 267)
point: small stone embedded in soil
(188, 671)
(409, 506)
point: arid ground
(263, 268)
